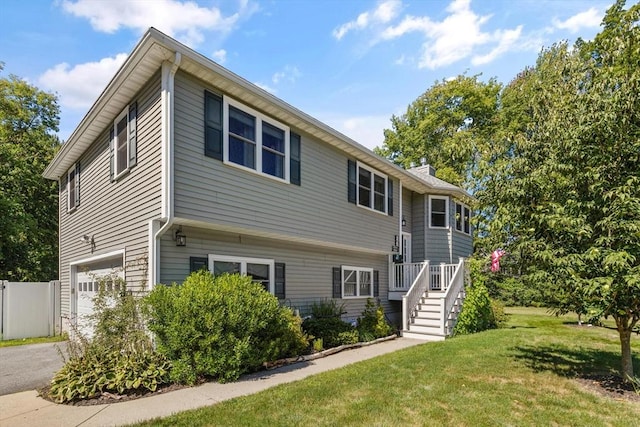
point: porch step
(427, 329)
(423, 336)
(426, 320)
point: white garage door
(88, 280)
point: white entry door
(406, 248)
(407, 276)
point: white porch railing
(452, 294)
(441, 276)
(405, 274)
(412, 297)
(446, 280)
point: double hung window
(357, 282)
(372, 189)
(438, 211)
(73, 187)
(123, 141)
(260, 270)
(246, 138)
(255, 141)
(463, 218)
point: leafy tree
(28, 202)
(449, 125)
(570, 197)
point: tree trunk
(625, 345)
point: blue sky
(351, 64)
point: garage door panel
(88, 280)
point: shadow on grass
(568, 362)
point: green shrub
(221, 327)
(372, 324)
(499, 315)
(118, 359)
(326, 325)
(476, 314)
(329, 330)
(327, 308)
(101, 369)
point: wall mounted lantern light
(404, 221)
(181, 238)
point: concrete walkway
(27, 409)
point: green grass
(41, 340)
(521, 375)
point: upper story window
(438, 211)
(369, 189)
(73, 187)
(123, 141)
(241, 136)
(463, 218)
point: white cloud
(220, 56)
(289, 74)
(79, 86)
(383, 13)
(588, 19)
(454, 38)
(185, 21)
(507, 40)
(365, 130)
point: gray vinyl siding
(117, 213)
(308, 268)
(407, 213)
(209, 191)
(437, 241)
(462, 245)
(418, 229)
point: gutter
(156, 228)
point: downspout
(156, 228)
(400, 219)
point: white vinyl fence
(29, 310)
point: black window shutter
(280, 280)
(352, 181)
(77, 186)
(212, 125)
(111, 159)
(133, 134)
(376, 283)
(390, 197)
(198, 263)
(294, 165)
(337, 282)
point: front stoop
(425, 324)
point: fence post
(2, 286)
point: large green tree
(449, 125)
(29, 119)
(553, 160)
(569, 201)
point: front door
(407, 273)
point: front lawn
(525, 374)
(40, 340)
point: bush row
(207, 327)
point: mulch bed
(611, 386)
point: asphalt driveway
(28, 367)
